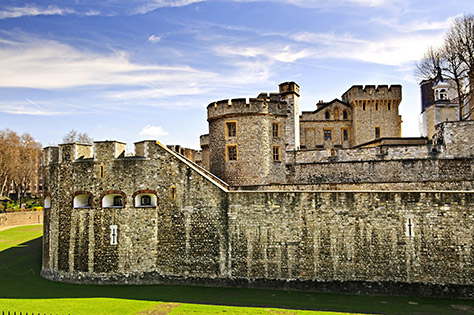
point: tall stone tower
(247, 140)
(290, 92)
(374, 112)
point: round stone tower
(247, 140)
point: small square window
(232, 153)
(146, 200)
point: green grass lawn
(22, 289)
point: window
(231, 153)
(327, 135)
(145, 200)
(101, 172)
(377, 132)
(363, 105)
(443, 95)
(345, 115)
(113, 199)
(376, 105)
(276, 130)
(113, 235)
(231, 129)
(327, 115)
(276, 153)
(389, 105)
(82, 200)
(118, 201)
(173, 192)
(345, 135)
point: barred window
(276, 130)
(327, 135)
(231, 129)
(232, 153)
(276, 153)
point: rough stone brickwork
(253, 139)
(20, 218)
(390, 216)
(204, 233)
(327, 117)
(374, 107)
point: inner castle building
(332, 199)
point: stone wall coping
(381, 160)
(354, 191)
(210, 177)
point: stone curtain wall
(352, 237)
(20, 218)
(181, 236)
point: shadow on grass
(20, 278)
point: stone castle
(332, 199)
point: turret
(290, 92)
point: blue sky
(130, 70)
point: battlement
(204, 140)
(100, 151)
(289, 88)
(359, 92)
(264, 104)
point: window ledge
(141, 206)
(113, 207)
(85, 207)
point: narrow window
(232, 153)
(389, 105)
(101, 171)
(363, 105)
(409, 228)
(377, 132)
(173, 192)
(276, 130)
(231, 129)
(345, 135)
(118, 201)
(276, 153)
(47, 202)
(145, 200)
(113, 235)
(376, 105)
(344, 115)
(327, 135)
(327, 115)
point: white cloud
(44, 64)
(16, 12)
(154, 39)
(332, 3)
(154, 131)
(151, 5)
(416, 26)
(26, 108)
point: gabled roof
(325, 105)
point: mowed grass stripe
(22, 287)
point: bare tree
(455, 59)
(9, 157)
(74, 136)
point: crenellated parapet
(372, 92)
(265, 104)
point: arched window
(336, 113)
(82, 199)
(145, 198)
(113, 199)
(345, 115)
(443, 95)
(327, 115)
